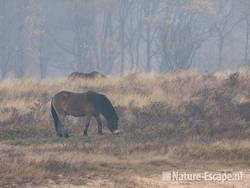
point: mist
(49, 38)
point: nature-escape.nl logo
(202, 176)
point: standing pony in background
(91, 75)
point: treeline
(44, 37)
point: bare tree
(84, 29)
(5, 49)
(108, 42)
(41, 36)
(179, 38)
(21, 15)
(37, 37)
(245, 7)
(247, 20)
(150, 17)
(139, 16)
(124, 7)
(224, 25)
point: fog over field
(173, 81)
(47, 38)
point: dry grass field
(185, 121)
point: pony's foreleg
(85, 132)
(99, 123)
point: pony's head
(113, 125)
(109, 113)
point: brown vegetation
(167, 121)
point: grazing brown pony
(83, 104)
(91, 75)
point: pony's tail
(55, 116)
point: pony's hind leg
(85, 132)
(62, 132)
(99, 124)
